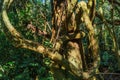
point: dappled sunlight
(65, 39)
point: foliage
(22, 64)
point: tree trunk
(64, 18)
(67, 52)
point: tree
(67, 54)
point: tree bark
(66, 17)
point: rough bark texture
(66, 18)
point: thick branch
(91, 8)
(93, 41)
(28, 44)
(24, 43)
